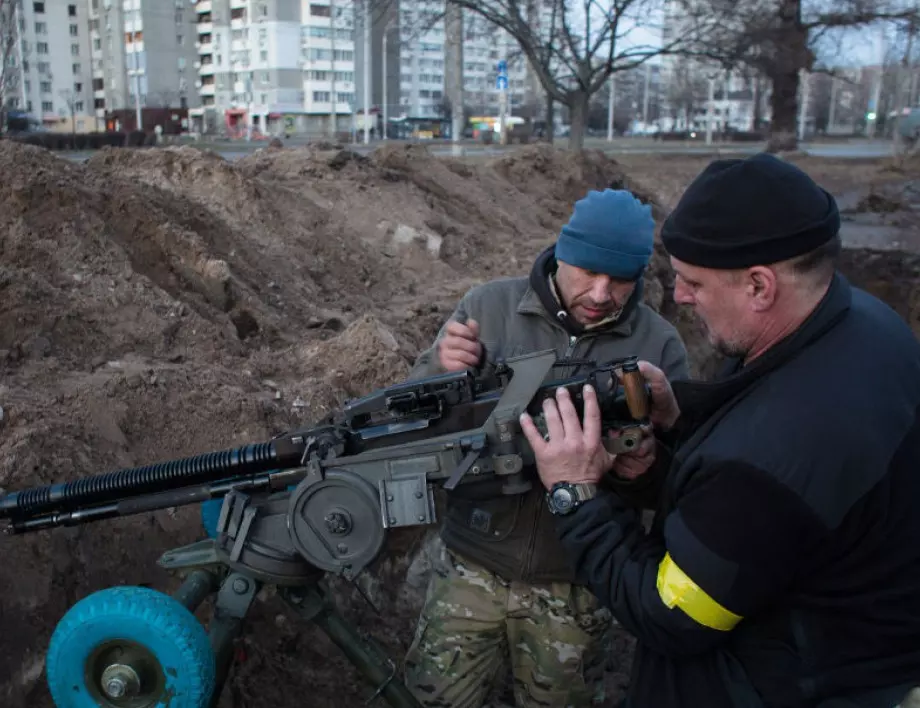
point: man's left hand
(573, 453)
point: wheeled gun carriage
(305, 504)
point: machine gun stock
(321, 499)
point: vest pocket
(492, 519)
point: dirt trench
(161, 303)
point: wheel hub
(124, 674)
(120, 681)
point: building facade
(272, 66)
(142, 53)
(50, 75)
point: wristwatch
(565, 497)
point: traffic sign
(501, 82)
(502, 67)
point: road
(622, 146)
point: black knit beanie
(743, 212)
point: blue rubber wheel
(130, 647)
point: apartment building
(52, 80)
(143, 54)
(274, 65)
(422, 58)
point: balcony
(205, 28)
(206, 69)
(238, 4)
(203, 6)
(207, 90)
(239, 23)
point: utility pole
(367, 71)
(709, 109)
(648, 77)
(137, 82)
(611, 107)
(501, 83)
(872, 117)
(453, 75)
(385, 78)
(333, 113)
(832, 112)
(804, 85)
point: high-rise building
(273, 61)
(143, 54)
(50, 78)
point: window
(47, 107)
(72, 10)
(319, 11)
(74, 32)
(321, 97)
(41, 47)
(75, 50)
(78, 106)
(45, 86)
(38, 8)
(41, 28)
(76, 69)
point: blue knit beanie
(610, 232)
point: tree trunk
(784, 105)
(550, 119)
(792, 55)
(757, 116)
(579, 113)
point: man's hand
(573, 453)
(664, 409)
(634, 464)
(460, 347)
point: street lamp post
(386, 31)
(367, 71)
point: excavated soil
(162, 303)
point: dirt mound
(548, 170)
(161, 303)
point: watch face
(563, 499)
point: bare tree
(780, 38)
(70, 98)
(10, 69)
(586, 43)
(686, 91)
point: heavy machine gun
(305, 504)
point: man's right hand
(460, 347)
(665, 411)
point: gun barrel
(163, 476)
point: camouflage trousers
(474, 623)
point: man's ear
(760, 286)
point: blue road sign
(501, 82)
(502, 67)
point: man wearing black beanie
(783, 565)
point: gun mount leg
(314, 605)
(196, 587)
(233, 601)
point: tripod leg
(233, 601)
(313, 605)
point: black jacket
(783, 566)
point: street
(625, 146)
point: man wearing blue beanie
(502, 591)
